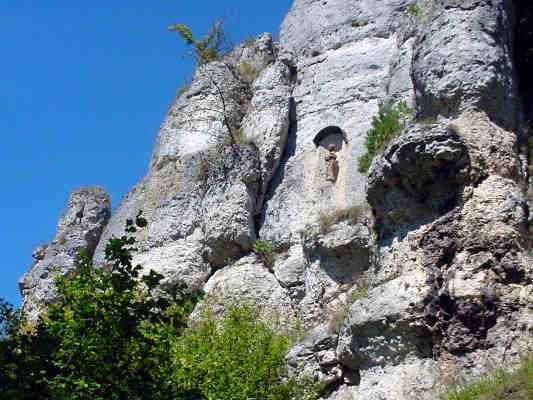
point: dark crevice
(523, 59)
(523, 54)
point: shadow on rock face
(419, 178)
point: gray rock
(87, 213)
(229, 204)
(249, 282)
(266, 123)
(387, 327)
(336, 261)
(463, 58)
(313, 27)
(341, 53)
(201, 191)
(419, 176)
(290, 267)
(254, 55)
(444, 254)
(315, 357)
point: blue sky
(84, 88)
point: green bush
(238, 358)
(265, 251)
(386, 125)
(207, 49)
(115, 334)
(107, 337)
(502, 385)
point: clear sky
(84, 87)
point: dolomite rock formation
(434, 283)
(87, 213)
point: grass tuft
(265, 251)
(502, 385)
(353, 215)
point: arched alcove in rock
(330, 135)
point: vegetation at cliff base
(115, 334)
(502, 385)
(386, 125)
(240, 358)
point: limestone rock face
(87, 213)
(342, 53)
(463, 58)
(316, 356)
(249, 282)
(202, 188)
(405, 279)
(266, 123)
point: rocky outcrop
(202, 190)
(87, 213)
(316, 356)
(266, 123)
(432, 285)
(249, 282)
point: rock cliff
(87, 213)
(404, 280)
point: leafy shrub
(115, 334)
(239, 358)
(265, 252)
(107, 337)
(361, 292)
(516, 385)
(207, 49)
(386, 125)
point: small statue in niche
(332, 164)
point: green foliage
(515, 385)
(107, 337)
(265, 251)
(207, 48)
(248, 72)
(238, 358)
(361, 292)
(386, 125)
(115, 334)
(21, 359)
(413, 10)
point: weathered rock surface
(202, 190)
(249, 282)
(87, 213)
(463, 58)
(266, 123)
(316, 356)
(436, 285)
